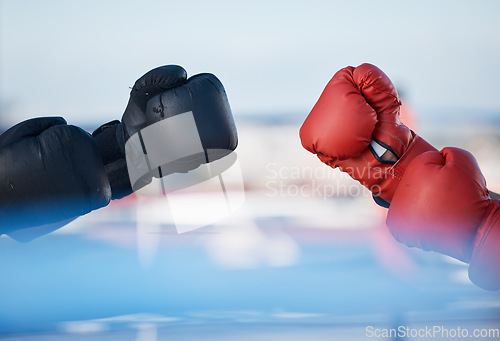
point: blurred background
(308, 255)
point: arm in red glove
(442, 204)
(356, 116)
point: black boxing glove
(171, 124)
(50, 174)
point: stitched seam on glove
(398, 169)
(329, 163)
(391, 135)
(373, 86)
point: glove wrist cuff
(416, 147)
(107, 138)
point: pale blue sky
(78, 58)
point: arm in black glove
(51, 172)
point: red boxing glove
(357, 113)
(442, 204)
